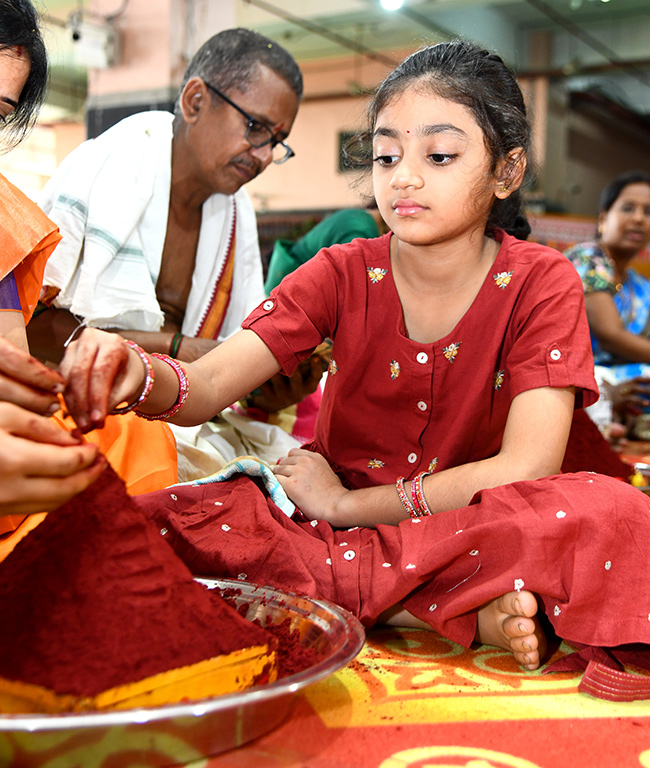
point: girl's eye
(439, 158)
(385, 160)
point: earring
(504, 187)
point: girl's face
(14, 71)
(625, 227)
(431, 174)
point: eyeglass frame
(252, 121)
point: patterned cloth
(448, 401)
(632, 302)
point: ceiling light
(392, 5)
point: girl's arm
(101, 372)
(533, 446)
(606, 325)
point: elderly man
(159, 238)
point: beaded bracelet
(177, 340)
(183, 389)
(403, 497)
(419, 500)
(148, 381)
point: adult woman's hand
(41, 465)
(27, 382)
(100, 371)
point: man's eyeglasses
(258, 134)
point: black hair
(612, 191)
(467, 74)
(230, 59)
(19, 26)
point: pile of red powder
(95, 597)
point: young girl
(459, 352)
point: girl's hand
(101, 372)
(41, 465)
(310, 483)
(25, 381)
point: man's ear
(193, 98)
(510, 173)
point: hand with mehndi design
(27, 382)
(41, 465)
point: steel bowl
(180, 733)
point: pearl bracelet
(183, 389)
(148, 381)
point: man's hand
(282, 391)
(41, 465)
(192, 348)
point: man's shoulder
(144, 124)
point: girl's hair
(19, 27)
(612, 191)
(230, 59)
(479, 80)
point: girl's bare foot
(510, 622)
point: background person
(160, 243)
(617, 296)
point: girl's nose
(406, 175)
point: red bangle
(183, 389)
(419, 500)
(148, 382)
(403, 497)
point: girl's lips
(407, 207)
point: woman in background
(617, 297)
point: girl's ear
(192, 99)
(510, 173)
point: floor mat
(413, 700)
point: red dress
(393, 406)
(578, 541)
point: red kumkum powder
(95, 597)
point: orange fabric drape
(27, 238)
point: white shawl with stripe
(110, 199)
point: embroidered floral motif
(498, 379)
(376, 274)
(433, 464)
(502, 279)
(332, 368)
(376, 464)
(451, 351)
(395, 369)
